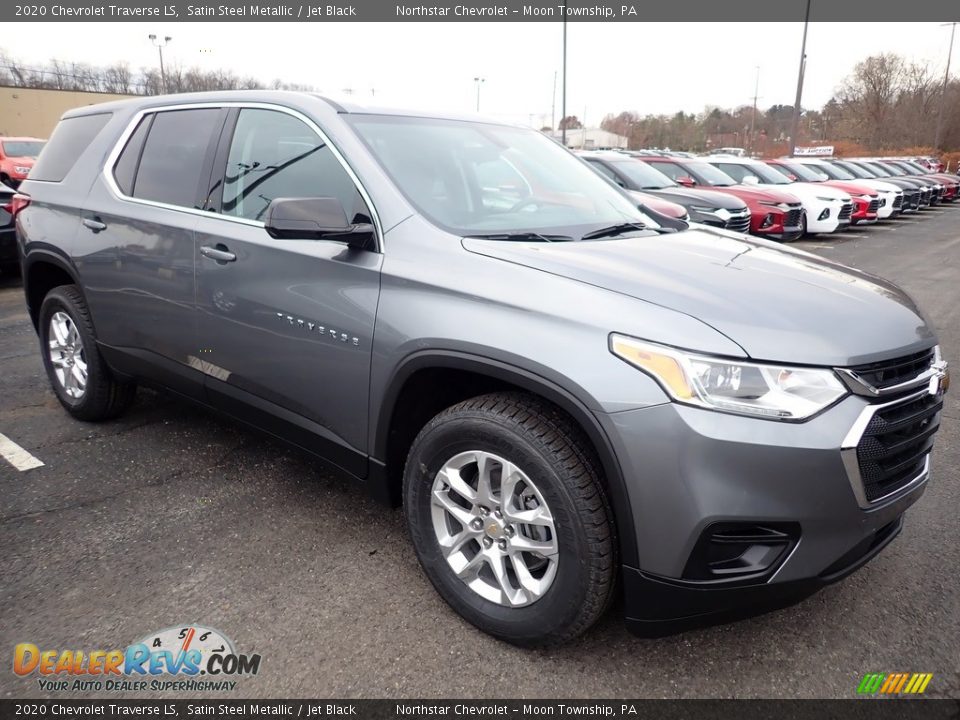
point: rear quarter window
(70, 138)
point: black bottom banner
(882, 709)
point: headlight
(775, 392)
(779, 205)
(830, 199)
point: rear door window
(174, 156)
(125, 169)
(70, 138)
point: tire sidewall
(560, 605)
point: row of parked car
(782, 199)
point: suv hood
(757, 194)
(855, 187)
(779, 305)
(701, 198)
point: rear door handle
(94, 224)
(218, 253)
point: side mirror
(315, 219)
(750, 180)
(686, 181)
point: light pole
(753, 120)
(803, 65)
(553, 104)
(563, 91)
(479, 81)
(946, 77)
(160, 45)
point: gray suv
(467, 319)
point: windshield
(474, 178)
(857, 171)
(645, 176)
(905, 166)
(881, 170)
(894, 170)
(709, 175)
(23, 148)
(804, 173)
(837, 172)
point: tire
(556, 473)
(102, 396)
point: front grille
(739, 223)
(898, 201)
(792, 218)
(894, 447)
(924, 197)
(885, 374)
(846, 211)
(915, 199)
(874, 206)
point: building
(34, 112)
(591, 139)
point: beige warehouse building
(34, 112)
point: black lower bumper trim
(657, 606)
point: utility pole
(753, 120)
(553, 103)
(946, 77)
(479, 81)
(803, 66)
(160, 46)
(563, 92)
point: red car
(865, 199)
(773, 213)
(17, 155)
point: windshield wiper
(612, 230)
(520, 236)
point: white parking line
(16, 455)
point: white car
(826, 209)
(811, 170)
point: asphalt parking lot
(171, 516)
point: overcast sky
(647, 67)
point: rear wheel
(509, 520)
(80, 378)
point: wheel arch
(390, 447)
(44, 270)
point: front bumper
(824, 217)
(690, 470)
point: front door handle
(218, 253)
(94, 224)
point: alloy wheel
(67, 355)
(494, 528)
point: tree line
(886, 103)
(121, 79)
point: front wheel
(509, 519)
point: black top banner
(481, 11)
(481, 709)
